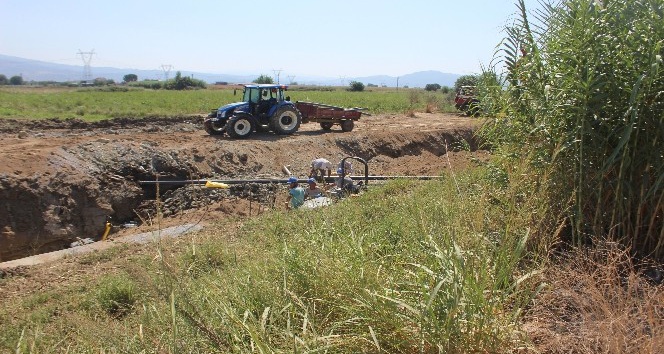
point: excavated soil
(60, 181)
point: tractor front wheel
(239, 127)
(214, 127)
(286, 120)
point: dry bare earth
(59, 180)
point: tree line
(14, 80)
(180, 82)
(184, 82)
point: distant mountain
(418, 79)
(35, 70)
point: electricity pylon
(167, 70)
(87, 70)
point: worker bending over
(319, 167)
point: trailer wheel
(326, 125)
(214, 128)
(347, 125)
(473, 109)
(239, 127)
(286, 120)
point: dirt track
(60, 180)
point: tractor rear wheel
(286, 120)
(239, 127)
(214, 128)
(326, 125)
(347, 125)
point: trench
(94, 185)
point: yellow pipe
(106, 231)
(210, 184)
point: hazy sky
(333, 38)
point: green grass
(96, 104)
(116, 295)
(408, 267)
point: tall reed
(583, 100)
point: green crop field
(114, 102)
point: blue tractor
(263, 108)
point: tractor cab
(263, 98)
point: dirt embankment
(60, 180)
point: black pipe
(356, 158)
(284, 181)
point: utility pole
(167, 70)
(277, 72)
(87, 70)
(397, 83)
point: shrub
(102, 81)
(465, 80)
(432, 103)
(182, 83)
(414, 97)
(16, 80)
(432, 87)
(356, 86)
(263, 79)
(130, 78)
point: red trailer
(327, 115)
